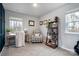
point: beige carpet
(36, 49)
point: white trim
(71, 32)
(71, 11)
(71, 50)
(15, 18)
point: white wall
(25, 18)
(66, 41)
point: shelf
(53, 32)
(53, 27)
(52, 45)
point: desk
(9, 38)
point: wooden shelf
(52, 45)
(53, 32)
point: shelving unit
(52, 33)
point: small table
(10, 37)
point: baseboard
(71, 50)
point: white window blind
(16, 24)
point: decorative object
(31, 23)
(56, 19)
(45, 22)
(8, 31)
(49, 20)
(52, 33)
(41, 22)
(54, 25)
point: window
(72, 22)
(15, 23)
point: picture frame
(31, 23)
(41, 22)
(45, 22)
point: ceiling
(29, 9)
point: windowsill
(72, 32)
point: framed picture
(41, 22)
(45, 22)
(31, 23)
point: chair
(76, 48)
(37, 36)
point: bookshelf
(52, 33)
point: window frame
(16, 19)
(70, 12)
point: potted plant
(8, 31)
